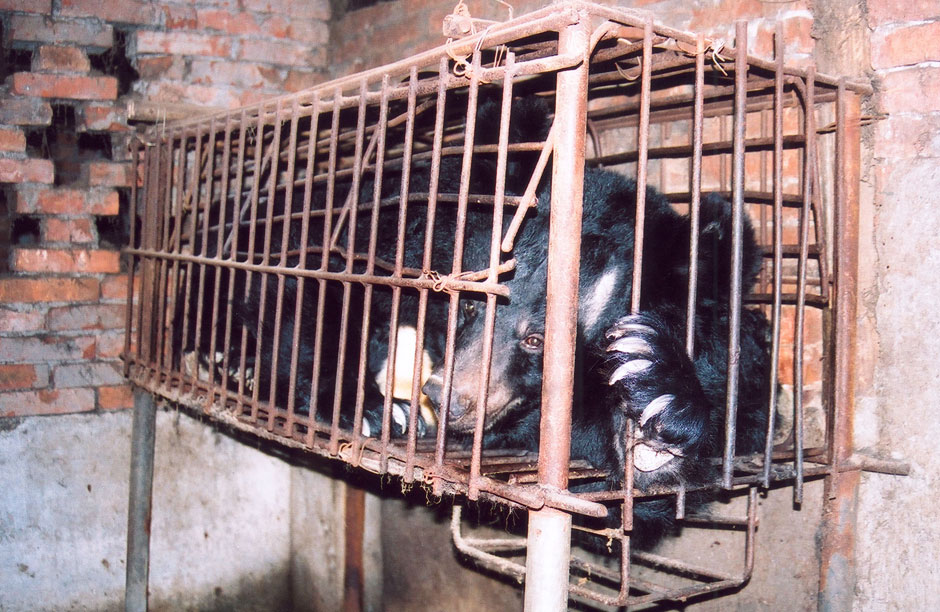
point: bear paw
(660, 390)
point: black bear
(630, 366)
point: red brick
(241, 75)
(182, 43)
(56, 58)
(63, 201)
(89, 374)
(28, 290)
(85, 317)
(44, 349)
(112, 11)
(79, 261)
(906, 45)
(315, 9)
(161, 67)
(115, 287)
(92, 34)
(179, 17)
(229, 22)
(15, 321)
(115, 398)
(23, 376)
(26, 171)
(110, 344)
(43, 7)
(12, 139)
(65, 86)
(109, 174)
(310, 32)
(282, 53)
(894, 11)
(915, 90)
(103, 118)
(72, 231)
(208, 96)
(46, 401)
(19, 110)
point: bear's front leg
(661, 393)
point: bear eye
(469, 308)
(533, 342)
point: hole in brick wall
(344, 6)
(114, 231)
(25, 230)
(14, 60)
(114, 62)
(94, 145)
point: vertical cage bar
(224, 173)
(549, 531)
(459, 234)
(809, 169)
(737, 250)
(131, 260)
(255, 176)
(274, 156)
(440, 442)
(203, 251)
(416, 360)
(232, 245)
(698, 118)
(352, 205)
(188, 200)
(641, 166)
(495, 236)
(283, 263)
(165, 212)
(324, 265)
(381, 135)
(777, 307)
(302, 264)
(147, 264)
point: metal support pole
(549, 534)
(138, 509)
(837, 547)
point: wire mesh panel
(375, 270)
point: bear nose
(434, 389)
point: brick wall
(76, 77)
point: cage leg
(143, 434)
(548, 549)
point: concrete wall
(897, 527)
(216, 542)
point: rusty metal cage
(303, 206)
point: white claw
(634, 366)
(630, 344)
(655, 407)
(637, 328)
(366, 430)
(647, 459)
(400, 417)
